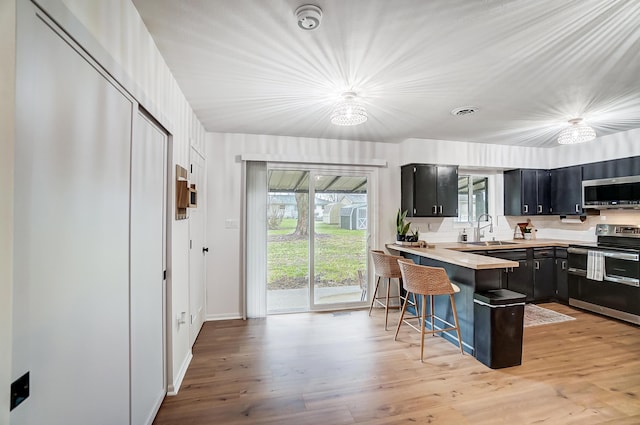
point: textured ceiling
(529, 66)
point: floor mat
(535, 315)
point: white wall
(225, 191)
(613, 146)
(7, 137)
(116, 37)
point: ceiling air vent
(464, 110)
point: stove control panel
(621, 230)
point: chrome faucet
(477, 235)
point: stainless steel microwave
(619, 192)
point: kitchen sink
(491, 243)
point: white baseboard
(230, 316)
(154, 410)
(173, 389)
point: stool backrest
(424, 280)
(385, 265)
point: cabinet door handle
(435, 209)
(536, 265)
(539, 209)
(526, 208)
(440, 209)
(564, 265)
(414, 211)
(577, 208)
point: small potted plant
(413, 237)
(402, 227)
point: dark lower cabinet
(517, 279)
(535, 275)
(520, 279)
(561, 265)
(544, 285)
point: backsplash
(548, 227)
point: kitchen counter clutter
(527, 267)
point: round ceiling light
(349, 111)
(464, 110)
(309, 17)
(577, 132)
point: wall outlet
(19, 391)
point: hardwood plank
(320, 368)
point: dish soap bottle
(463, 236)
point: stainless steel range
(605, 278)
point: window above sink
(473, 200)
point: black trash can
(498, 323)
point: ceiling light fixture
(348, 110)
(577, 132)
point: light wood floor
(343, 368)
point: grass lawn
(339, 254)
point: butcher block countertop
(455, 252)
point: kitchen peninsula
(469, 266)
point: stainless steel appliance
(619, 192)
(618, 293)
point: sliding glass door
(318, 230)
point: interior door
(198, 249)
(148, 254)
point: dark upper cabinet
(429, 190)
(527, 192)
(566, 190)
(614, 168)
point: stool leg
(404, 308)
(433, 314)
(424, 310)
(386, 306)
(373, 298)
(455, 319)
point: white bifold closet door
(148, 227)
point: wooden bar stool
(427, 282)
(385, 266)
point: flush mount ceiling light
(577, 132)
(309, 16)
(348, 110)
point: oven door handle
(582, 251)
(608, 254)
(623, 279)
(578, 272)
(622, 256)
